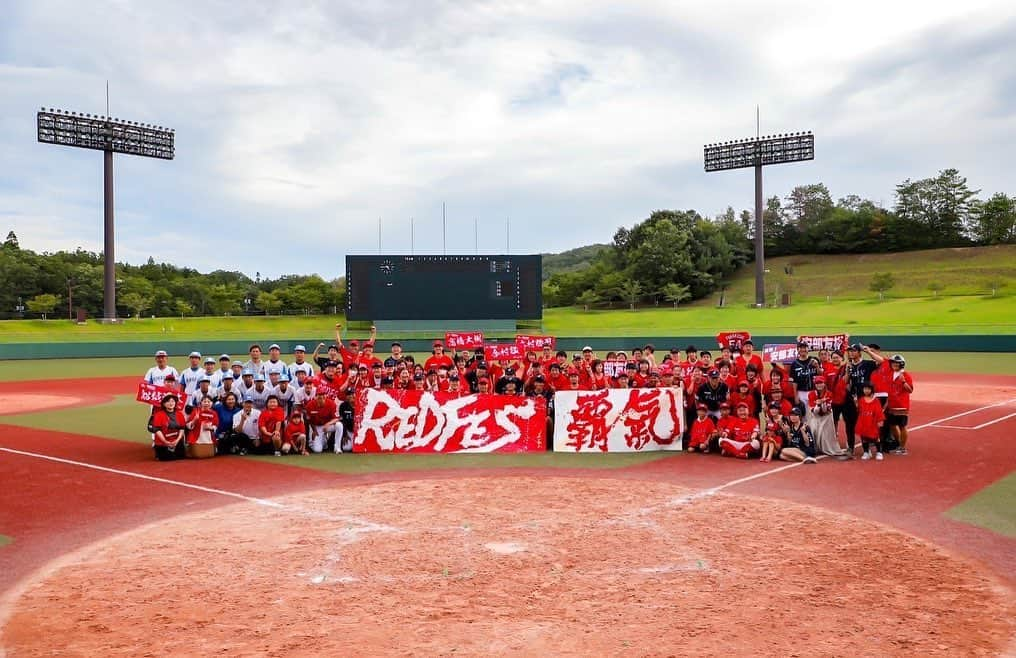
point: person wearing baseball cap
(702, 430)
(858, 372)
(483, 385)
(274, 363)
(299, 364)
(156, 375)
(245, 425)
(743, 436)
(712, 393)
(188, 378)
(438, 359)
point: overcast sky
(299, 124)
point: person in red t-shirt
(744, 435)
(367, 358)
(271, 423)
(743, 394)
(725, 423)
(870, 419)
(702, 430)
(748, 357)
(321, 420)
(901, 385)
(295, 434)
(438, 359)
(820, 419)
(168, 426)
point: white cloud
(300, 125)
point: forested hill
(671, 255)
(571, 260)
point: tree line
(676, 256)
(671, 256)
(56, 284)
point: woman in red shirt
(202, 423)
(168, 427)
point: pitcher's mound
(24, 403)
(521, 566)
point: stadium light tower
(102, 133)
(757, 153)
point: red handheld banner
(732, 339)
(503, 352)
(535, 343)
(152, 394)
(421, 421)
(463, 339)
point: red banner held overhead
(535, 343)
(463, 339)
(152, 394)
(779, 353)
(732, 339)
(831, 342)
(503, 352)
(421, 421)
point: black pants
(850, 421)
(231, 441)
(167, 454)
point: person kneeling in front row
(799, 442)
(168, 428)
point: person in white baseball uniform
(245, 425)
(156, 375)
(285, 393)
(274, 363)
(305, 393)
(224, 367)
(227, 386)
(188, 379)
(300, 363)
(259, 393)
(212, 373)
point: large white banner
(618, 420)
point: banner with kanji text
(779, 352)
(503, 352)
(618, 420)
(152, 394)
(535, 343)
(455, 340)
(422, 421)
(832, 342)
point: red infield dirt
(513, 561)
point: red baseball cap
(354, 343)
(438, 343)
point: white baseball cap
(299, 348)
(274, 346)
(195, 355)
(587, 349)
(161, 353)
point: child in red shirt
(295, 434)
(702, 430)
(870, 418)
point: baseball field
(106, 552)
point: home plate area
(512, 566)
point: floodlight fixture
(759, 152)
(109, 135)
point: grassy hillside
(571, 260)
(962, 271)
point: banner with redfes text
(421, 421)
(618, 420)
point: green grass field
(943, 315)
(992, 507)
(962, 271)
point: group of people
(735, 404)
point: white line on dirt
(965, 413)
(150, 478)
(992, 422)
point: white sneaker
(810, 460)
(878, 456)
(338, 450)
(866, 456)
